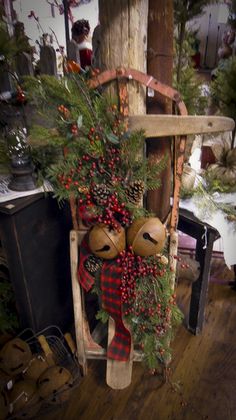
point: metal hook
(204, 236)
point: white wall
(211, 26)
(42, 10)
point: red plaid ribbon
(119, 348)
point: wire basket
(64, 361)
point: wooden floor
(204, 369)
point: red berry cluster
(110, 165)
(133, 268)
(66, 180)
(113, 158)
(140, 297)
(20, 95)
(118, 124)
(179, 259)
(74, 129)
(127, 261)
(63, 111)
(115, 214)
(118, 128)
(94, 136)
(87, 214)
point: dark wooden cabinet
(205, 236)
(34, 233)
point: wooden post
(159, 65)
(66, 21)
(124, 42)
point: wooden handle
(175, 125)
(70, 342)
(46, 349)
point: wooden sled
(118, 374)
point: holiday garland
(101, 165)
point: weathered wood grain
(160, 65)
(119, 374)
(77, 300)
(175, 125)
(124, 43)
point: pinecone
(135, 191)
(100, 194)
(93, 264)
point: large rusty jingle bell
(24, 399)
(37, 365)
(15, 356)
(55, 384)
(146, 236)
(106, 243)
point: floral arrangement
(99, 165)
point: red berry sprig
(20, 95)
(64, 111)
(94, 135)
(115, 214)
(127, 261)
(74, 129)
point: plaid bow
(119, 348)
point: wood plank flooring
(203, 367)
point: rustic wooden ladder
(118, 375)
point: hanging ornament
(106, 243)
(146, 236)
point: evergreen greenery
(154, 314)
(223, 89)
(186, 80)
(188, 83)
(184, 11)
(190, 87)
(83, 141)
